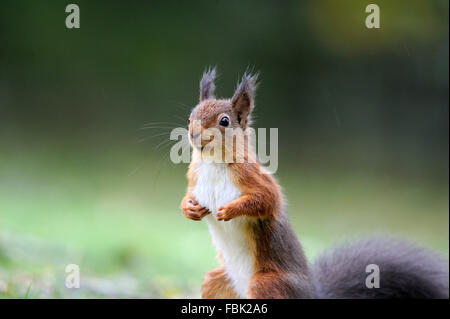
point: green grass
(28, 291)
(117, 216)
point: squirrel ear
(207, 86)
(243, 99)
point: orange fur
(216, 285)
(261, 196)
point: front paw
(225, 213)
(192, 210)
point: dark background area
(362, 117)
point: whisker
(157, 127)
(161, 123)
(152, 136)
(163, 143)
(136, 169)
(180, 118)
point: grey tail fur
(405, 271)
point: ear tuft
(244, 97)
(207, 85)
(246, 88)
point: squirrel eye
(224, 121)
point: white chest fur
(214, 189)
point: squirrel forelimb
(246, 205)
(192, 210)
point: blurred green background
(362, 117)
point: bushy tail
(405, 271)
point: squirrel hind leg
(216, 285)
(273, 285)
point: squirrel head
(221, 114)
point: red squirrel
(259, 254)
